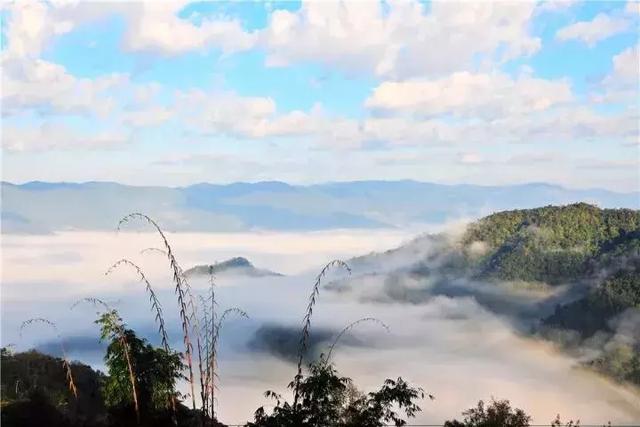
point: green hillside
(581, 244)
(553, 244)
(35, 391)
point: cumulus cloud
(146, 117)
(54, 136)
(622, 83)
(403, 39)
(437, 67)
(591, 32)
(468, 94)
(49, 88)
(151, 26)
(258, 117)
(632, 7)
(156, 27)
(556, 5)
(30, 27)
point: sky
(174, 93)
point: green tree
(498, 413)
(328, 400)
(137, 371)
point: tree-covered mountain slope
(29, 373)
(567, 273)
(553, 244)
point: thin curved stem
(181, 293)
(351, 326)
(65, 360)
(306, 329)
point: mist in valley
(460, 339)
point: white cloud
(632, 7)
(147, 117)
(566, 125)
(54, 136)
(626, 65)
(151, 26)
(622, 84)
(466, 94)
(36, 85)
(257, 117)
(49, 88)
(30, 26)
(403, 40)
(407, 131)
(471, 158)
(556, 5)
(599, 28)
(155, 26)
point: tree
(328, 400)
(140, 375)
(497, 414)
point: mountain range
(41, 207)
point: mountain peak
(235, 265)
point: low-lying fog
(451, 346)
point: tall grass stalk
(306, 328)
(209, 328)
(350, 327)
(213, 357)
(172, 398)
(207, 351)
(180, 290)
(153, 299)
(65, 360)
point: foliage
(328, 400)
(558, 423)
(551, 244)
(497, 413)
(155, 370)
(621, 362)
(592, 313)
(36, 410)
(33, 375)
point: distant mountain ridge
(236, 265)
(40, 207)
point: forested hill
(236, 265)
(575, 243)
(569, 273)
(554, 244)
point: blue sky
(176, 93)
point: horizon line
(323, 183)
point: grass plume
(93, 301)
(153, 298)
(306, 328)
(181, 287)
